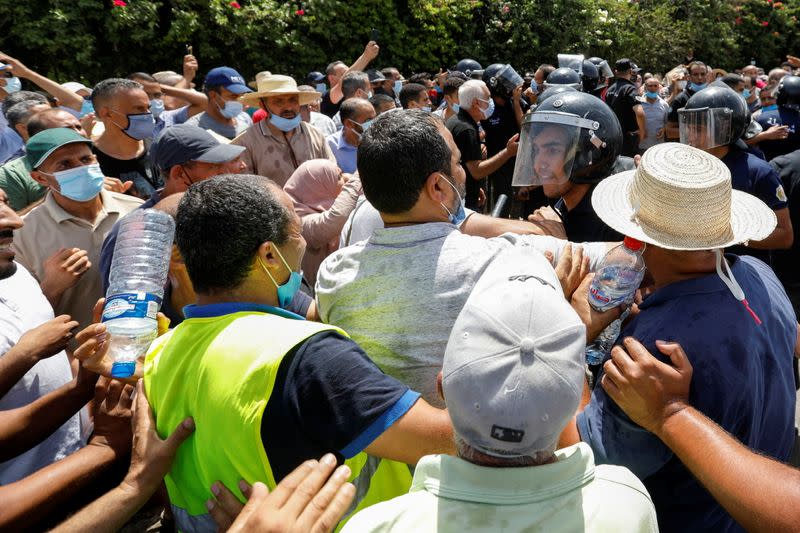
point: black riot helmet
(788, 93)
(590, 76)
(552, 91)
(570, 136)
(595, 60)
(470, 67)
(501, 79)
(714, 116)
(563, 76)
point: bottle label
(131, 305)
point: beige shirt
(49, 228)
(270, 156)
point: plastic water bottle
(136, 285)
(619, 275)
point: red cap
(632, 244)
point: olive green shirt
(20, 187)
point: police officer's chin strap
(728, 279)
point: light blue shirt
(10, 142)
(344, 152)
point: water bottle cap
(632, 244)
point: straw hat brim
(306, 98)
(751, 219)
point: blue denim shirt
(742, 380)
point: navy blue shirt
(780, 117)
(743, 380)
(753, 175)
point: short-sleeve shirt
(327, 107)
(22, 190)
(755, 176)
(655, 118)
(48, 228)
(327, 397)
(780, 117)
(499, 128)
(242, 121)
(785, 262)
(466, 136)
(742, 380)
(144, 175)
(303, 422)
(22, 308)
(277, 156)
(622, 96)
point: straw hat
(680, 198)
(277, 85)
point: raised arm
(370, 53)
(197, 100)
(65, 97)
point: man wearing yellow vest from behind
(267, 389)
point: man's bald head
(54, 118)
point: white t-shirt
(22, 308)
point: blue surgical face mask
(286, 291)
(140, 125)
(697, 86)
(397, 87)
(321, 88)
(427, 109)
(772, 107)
(457, 217)
(746, 94)
(156, 107)
(13, 85)
(231, 109)
(455, 107)
(80, 183)
(285, 124)
(364, 127)
(651, 95)
(489, 111)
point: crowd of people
(377, 314)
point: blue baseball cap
(228, 78)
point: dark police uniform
(466, 136)
(755, 176)
(780, 117)
(622, 96)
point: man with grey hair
(356, 114)
(512, 377)
(476, 104)
(310, 113)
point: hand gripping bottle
(136, 285)
(618, 276)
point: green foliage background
(92, 39)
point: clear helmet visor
(576, 86)
(573, 61)
(706, 127)
(605, 69)
(548, 145)
(508, 78)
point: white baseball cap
(513, 368)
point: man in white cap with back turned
(512, 378)
(729, 313)
(281, 142)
